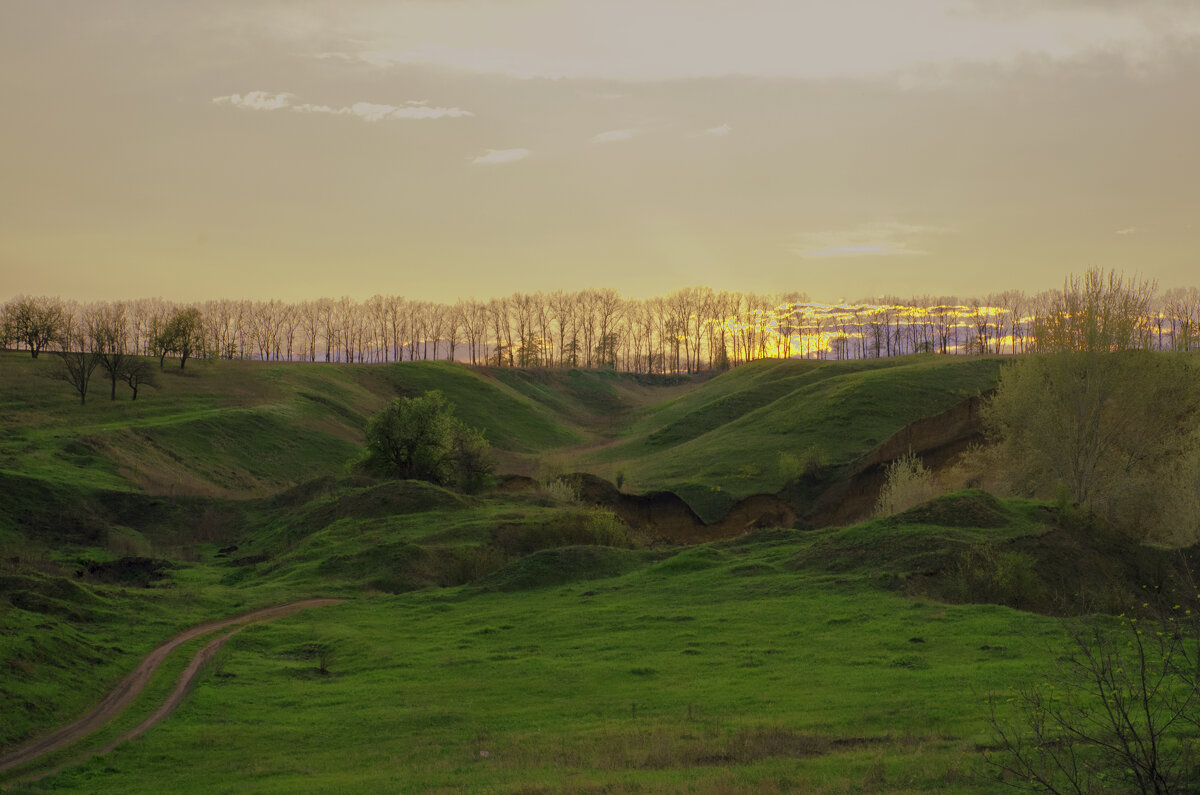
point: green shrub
(987, 574)
(420, 439)
(562, 490)
(907, 483)
(585, 526)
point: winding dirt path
(133, 684)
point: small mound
(304, 492)
(696, 559)
(972, 508)
(563, 565)
(58, 596)
(391, 568)
(397, 497)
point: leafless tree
(1120, 711)
(109, 329)
(77, 350)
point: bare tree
(77, 351)
(138, 372)
(453, 329)
(474, 319)
(395, 327)
(1119, 713)
(436, 326)
(498, 315)
(562, 308)
(109, 327)
(377, 317)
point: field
(521, 640)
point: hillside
(529, 640)
(240, 429)
(546, 635)
(759, 428)
(237, 429)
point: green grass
(723, 439)
(783, 660)
(66, 643)
(231, 428)
(717, 665)
(235, 429)
(576, 655)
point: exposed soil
(664, 515)
(938, 440)
(133, 684)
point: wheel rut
(132, 685)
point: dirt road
(129, 687)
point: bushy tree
(1097, 312)
(181, 334)
(420, 438)
(1110, 427)
(33, 322)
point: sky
(440, 149)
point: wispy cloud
(1129, 230)
(256, 100)
(371, 111)
(367, 111)
(720, 131)
(809, 39)
(613, 135)
(880, 238)
(494, 156)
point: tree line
(689, 330)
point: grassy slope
(237, 428)
(723, 440)
(727, 665)
(245, 428)
(783, 660)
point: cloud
(877, 239)
(256, 100)
(367, 111)
(1129, 230)
(721, 131)
(501, 156)
(613, 135)
(808, 39)
(371, 111)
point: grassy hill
(522, 641)
(234, 428)
(782, 660)
(753, 429)
(239, 429)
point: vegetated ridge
(529, 581)
(240, 429)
